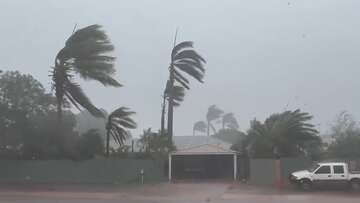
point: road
(169, 193)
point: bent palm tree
(229, 121)
(287, 133)
(85, 53)
(213, 113)
(184, 59)
(199, 126)
(178, 96)
(117, 123)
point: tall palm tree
(116, 126)
(85, 54)
(229, 121)
(213, 114)
(184, 59)
(199, 126)
(178, 96)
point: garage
(206, 161)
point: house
(199, 157)
(202, 157)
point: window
(323, 170)
(339, 169)
(313, 167)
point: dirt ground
(185, 192)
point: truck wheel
(355, 185)
(305, 185)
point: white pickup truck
(326, 173)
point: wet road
(173, 193)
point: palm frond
(178, 93)
(117, 123)
(185, 59)
(180, 77)
(121, 112)
(191, 71)
(180, 46)
(86, 52)
(190, 55)
(230, 121)
(195, 64)
(213, 113)
(77, 96)
(200, 126)
(182, 83)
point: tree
(285, 134)
(85, 54)
(153, 142)
(213, 114)
(178, 97)
(116, 126)
(23, 92)
(90, 144)
(85, 122)
(229, 121)
(28, 121)
(230, 135)
(199, 126)
(346, 134)
(22, 100)
(184, 59)
(40, 141)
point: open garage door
(203, 166)
(203, 162)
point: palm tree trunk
(107, 144)
(163, 116)
(59, 112)
(213, 128)
(208, 128)
(171, 104)
(60, 136)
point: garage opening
(202, 167)
(203, 162)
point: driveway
(166, 193)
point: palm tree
(229, 121)
(213, 113)
(85, 54)
(184, 59)
(117, 123)
(199, 126)
(179, 94)
(287, 133)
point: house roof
(198, 145)
(203, 149)
(184, 142)
(193, 144)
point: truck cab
(326, 174)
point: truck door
(323, 175)
(339, 175)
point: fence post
(278, 177)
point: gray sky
(262, 55)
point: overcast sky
(263, 55)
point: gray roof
(185, 142)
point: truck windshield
(313, 167)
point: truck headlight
(292, 177)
